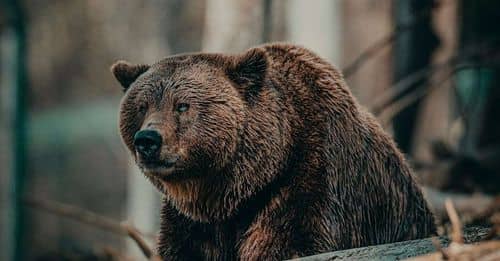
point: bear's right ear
(126, 73)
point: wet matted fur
(277, 158)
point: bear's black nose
(148, 143)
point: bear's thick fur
(276, 157)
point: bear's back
(367, 175)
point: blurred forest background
(429, 70)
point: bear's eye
(182, 107)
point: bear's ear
(248, 71)
(127, 73)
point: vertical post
(412, 51)
(267, 20)
(17, 218)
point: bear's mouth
(160, 169)
(159, 166)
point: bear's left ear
(127, 73)
(248, 71)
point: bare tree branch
(369, 53)
(95, 220)
(392, 109)
(383, 42)
(404, 84)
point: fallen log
(399, 250)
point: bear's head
(183, 119)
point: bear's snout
(148, 143)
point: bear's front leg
(291, 227)
(174, 242)
(273, 234)
(267, 242)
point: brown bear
(264, 155)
